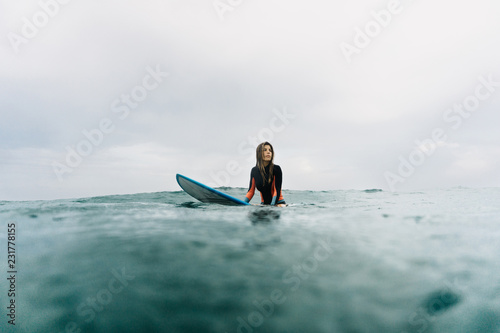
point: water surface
(334, 261)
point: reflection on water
(264, 215)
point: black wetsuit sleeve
(278, 181)
(251, 187)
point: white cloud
(475, 162)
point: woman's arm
(251, 189)
(278, 180)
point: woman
(267, 177)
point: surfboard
(207, 194)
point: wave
(374, 190)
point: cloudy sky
(116, 97)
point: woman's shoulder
(277, 168)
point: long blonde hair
(260, 162)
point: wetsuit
(270, 193)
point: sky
(116, 97)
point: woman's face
(267, 154)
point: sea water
(334, 261)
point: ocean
(332, 261)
